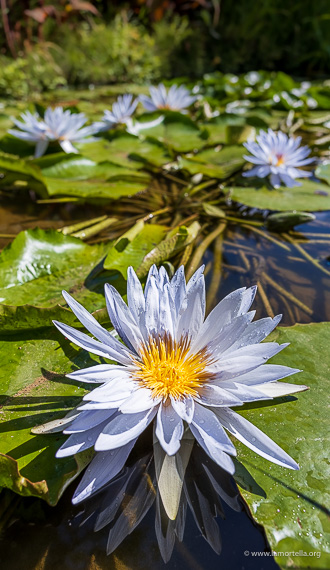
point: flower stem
(306, 255)
(198, 255)
(94, 230)
(216, 274)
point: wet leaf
(38, 264)
(216, 163)
(125, 150)
(35, 391)
(178, 132)
(309, 197)
(323, 172)
(292, 506)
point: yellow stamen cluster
(167, 368)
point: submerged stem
(200, 250)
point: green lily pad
(82, 168)
(38, 264)
(82, 177)
(323, 172)
(215, 163)
(293, 505)
(125, 150)
(34, 391)
(310, 197)
(178, 132)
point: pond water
(39, 537)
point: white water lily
(57, 125)
(175, 99)
(279, 156)
(121, 111)
(175, 367)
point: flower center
(280, 160)
(167, 368)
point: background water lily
(121, 111)
(176, 367)
(280, 156)
(57, 125)
(175, 99)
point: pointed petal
(169, 429)
(99, 373)
(211, 430)
(123, 428)
(104, 467)
(278, 389)
(88, 343)
(41, 148)
(254, 438)
(139, 401)
(184, 408)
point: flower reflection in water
(190, 479)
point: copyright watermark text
(292, 553)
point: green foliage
(106, 53)
(37, 71)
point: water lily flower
(121, 111)
(280, 156)
(57, 125)
(176, 368)
(175, 99)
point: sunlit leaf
(292, 505)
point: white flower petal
(266, 373)
(122, 319)
(88, 420)
(118, 389)
(254, 438)
(191, 320)
(184, 408)
(123, 428)
(151, 294)
(139, 401)
(91, 324)
(235, 304)
(104, 467)
(214, 451)
(211, 430)
(277, 389)
(215, 395)
(169, 429)
(80, 441)
(68, 147)
(100, 373)
(88, 343)
(135, 297)
(41, 148)
(256, 332)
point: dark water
(39, 537)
